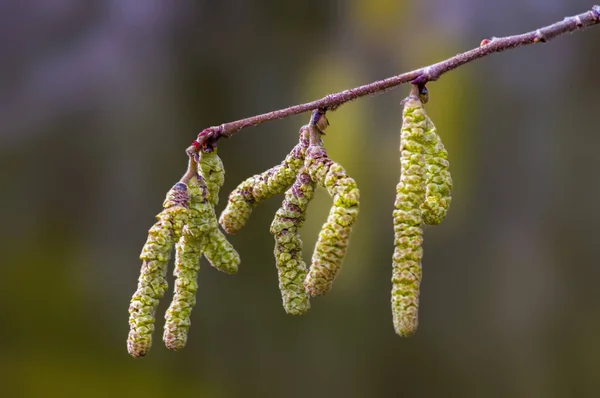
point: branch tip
(419, 80)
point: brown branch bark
(417, 76)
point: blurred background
(99, 99)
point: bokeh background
(99, 99)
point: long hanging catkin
(200, 236)
(408, 240)
(217, 249)
(260, 187)
(187, 265)
(438, 181)
(334, 237)
(288, 244)
(152, 283)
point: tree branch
(418, 76)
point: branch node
(578, 21)
(206, 141)
(319, 120)
(423, 93)
(539, 37)
(425, 76)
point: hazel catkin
(200, 236)
(187, 264)
(285, 228)
(260, 187)
(408, 239)
(438, 181)
(219, 252)
(152, 283)
(334, 237)
(211, 168)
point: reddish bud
(196, 145)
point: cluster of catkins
(189, 223)
(305, 167)
(423, 196)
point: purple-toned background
(99, 99)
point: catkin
(408, 240)
(211, 168)
(438, 182)
(333, 239)
(285, 228)
(260, 187)
(219, 252)
(187, 264)
(155, 255)
(200, 236)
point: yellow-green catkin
(155, 256)
(260, 187)
(334, 237)
(285, 228)
(187, 264)
(438, 181)
(408, 239)
(219, 252)
(211, 168)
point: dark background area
(99, 99)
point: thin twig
(418, 76)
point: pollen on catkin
(187, 264)
(219, 252)
(285, 228)
(152, 283)
(438, 181)
(260, 187)
(334, 237)
(408, 239)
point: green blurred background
(99, 99)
